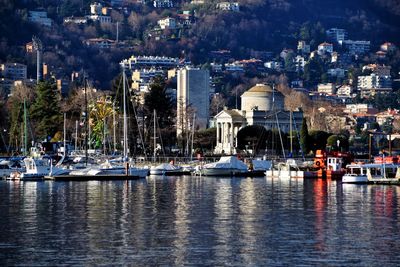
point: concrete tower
(192, 98)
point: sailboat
(36, 167)
(110, 170)
(165, 168)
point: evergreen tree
(157, 99)
(304, 137)
(45, 110)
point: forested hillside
(261, 25)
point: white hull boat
(37, 169)
(168, 169)
(226, 166)
(111, 170)
(8, 167)
(371, 173)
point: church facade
(261, 105)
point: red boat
(329, 165)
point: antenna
(37, 45)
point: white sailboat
(115, 170)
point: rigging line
(277, 121)
(136, 118)
(298, 136)
(280, 135)
(161, 140)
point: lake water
(176, 221)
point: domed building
(262, 97)
(260, 105)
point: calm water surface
(196, 221)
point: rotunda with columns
(260, 105)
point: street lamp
(338, 144)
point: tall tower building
(192, 99)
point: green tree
(318, 140)
(157, 99)
(332, 141)
(45, 110)
(313, 71)
(304, 137)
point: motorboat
(9, 166)
(356, 174)
(37, 169)
(226, 166)
(258, 167)
(285, 170)
(372, 173)
(168, 169)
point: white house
(228, 6)
(356, 47)
(325, 48)
(167, 23)
(163, 3)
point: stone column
(218, 135)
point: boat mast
(191, 147)
(277, 121)
(25, 130)
(76, 135)
(154, 136)
(125, 138)
(65, 135)
(86, 123)
(291, 131)
(114, 134)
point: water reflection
(199, 221)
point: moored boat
(226, 166)
(37, 169)
(355, 174)
(372, 173)
(9, 166)
(168, 169)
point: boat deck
(114, 177)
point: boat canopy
(228, 162)
(167, 167)
(261, 164)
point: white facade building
(356, 47)
(303, 47)
(100, 18)
(374, 81)
(273, 65)
(337, 72)
(141, 79)
(135, 62)
(193, 90)
(228, 6)
(336, 34)
(163, 3)
(326, 88)
(167, 23)
(325, 48)
(374, 84)
(14, 71)
(344, 90)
